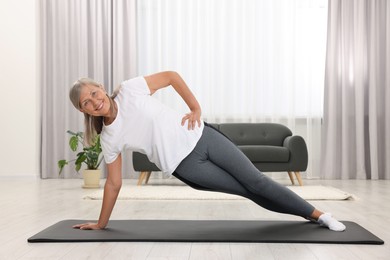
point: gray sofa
(270, 147)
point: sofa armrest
(298, 152)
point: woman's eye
(93, 94)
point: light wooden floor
(28, 206)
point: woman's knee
(259, 184)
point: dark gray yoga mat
(206, 231)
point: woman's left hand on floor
(87, 226)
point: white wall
(19, 100)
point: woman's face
(94, 101)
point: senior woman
(183, 146)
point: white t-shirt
(145, 125)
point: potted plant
(90, 156)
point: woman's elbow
(172, 75)
(114, 185)
(118, 186)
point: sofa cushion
(255, 133)
(265, 153)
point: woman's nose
(94, 102)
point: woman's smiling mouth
(99, 107)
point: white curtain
(77, 40)
(245, 60)
(124, 62)
(357, 95)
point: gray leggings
(216, 164)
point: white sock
(327, 220)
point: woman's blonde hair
(93, 124)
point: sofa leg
(298, 175)
(141, 178)
(290, 174)
(147, 177)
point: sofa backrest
(255, 133)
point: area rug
(166, 192)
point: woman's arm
(167, 78)
(111, 191)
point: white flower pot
(91, 179)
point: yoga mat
(206, 231)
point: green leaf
(80, 154)
(93, 156)
(86, 149)
(78, 166)
(71, 133)
(100, 161)
(61, 164)
(81, 159)
(73, 143)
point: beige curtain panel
(91, 38)
(356, 136)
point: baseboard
(19, 176)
